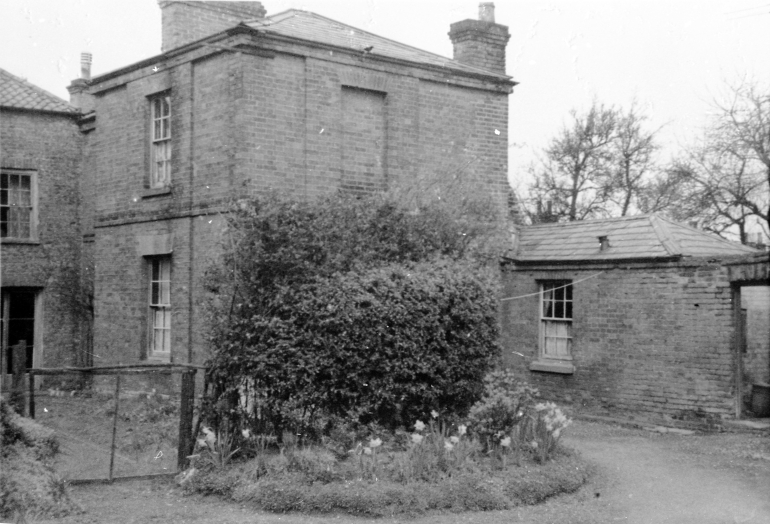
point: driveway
(648, 477)
(641, 477)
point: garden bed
(529, 483)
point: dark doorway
(18, 324)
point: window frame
(159, 306)
(160, 137)
(32, 236)
(561, 307)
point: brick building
(238, 103)
(40, 236)
(637, 314)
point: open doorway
(753, 343)
(18, 325)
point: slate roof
(296, 23)
(637, 237)
(17, 93)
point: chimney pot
(487, 12)
(604, 243)
(85, 66)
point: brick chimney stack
(185, 21)
(481, 42)
(78, 89)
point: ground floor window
(160, 308)
(556, 320)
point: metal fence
(114, 422)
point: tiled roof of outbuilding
(17, 93)
(637, 237)
(296, 23)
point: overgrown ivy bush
(29, 487)
(358, 308)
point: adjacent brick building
(40, 236)
(636, 314)
(239, 103)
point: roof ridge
(701, 232)
(577, 223)
(375, 35)
(664, 234)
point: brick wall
(244, 123)
(364, 140)
(50, 146)
(650, 338)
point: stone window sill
(159, 359)
(151, 193)
(552, 366)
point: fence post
(17, 382)
(114, 426)
(187, 403)
(31, 394)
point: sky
(672, 57)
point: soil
(641, 477)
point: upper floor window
(17, 205)
(556, 320)
(160, 135)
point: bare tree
(633, 157)
(722, 181)
(573, 180)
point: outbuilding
(638, 313)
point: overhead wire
(553, 289)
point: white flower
(557, 433)
(461, 429)
(201, 442)
(367, 451)
(454, 439)
(416, 438)
(246, 433)
(541, 407)
(419, 425)
(448, 445)
(533, 444)
(210, 437)
(375, 443)
(505, 442)
(434, 413)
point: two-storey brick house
(238, 103)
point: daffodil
(375, 443)
(448, 445)
(461, 429)
(367, 451)
(454, 439)
(419, 425)
(505, 442)
(434, 413)
(246, 433)
(416, 438)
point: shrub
(28, 484)
(354, 308)
(505, 404)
